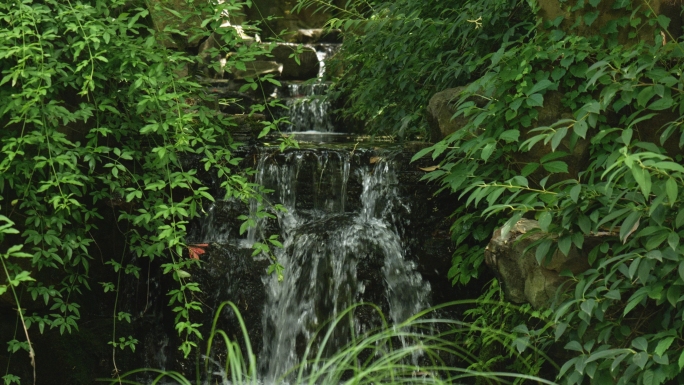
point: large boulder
(524, 279)
(306, 69)
(441, 109)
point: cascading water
(308, 108)
(323, 245)
(344, 238)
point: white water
(323, 246)
(309, 108)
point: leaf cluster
(397, 54)
(100, 116)
(584, 135)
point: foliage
(581, 134)
(100, 122)
(430, 352)
(574, 123)
(501, 333)
(397, 54)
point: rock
(441, 109)
(308, 65)
(523, 278)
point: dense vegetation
(575, 123)
(100, 112)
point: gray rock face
(524, 279)
(441, 109)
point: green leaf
(545, 220)
(605, 353)
(421, 153)
(574, 345)
(532, 167)
(669, 166)
(613, 294)
(663, 345)
(487, 151)
(558, 137)
(663, 103)
(575, 192)
(679, 221)
(588, 306)
(640, 359)
(590, 17)
(564, 244)
(671, 189)
(580, 128)
(556, 166)
(274, 81)
(640, 343)
(673, 294)
(264, 131)
(648, 378)
(584, 224)
(634, 300)
(542, 250)
(535, 100)
(626, 136)
(510, 136)
(539, 86)
(510, 115)
(663, 21)
(673, 240)
(643, 179)
(645, 95)
(681, 361)
(629, 225)
(655, 240)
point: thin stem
(116, 301)
(32, 353)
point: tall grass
(424, 349)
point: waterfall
(308, 107)
(324, 243)
(344, 236)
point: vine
(101, 113)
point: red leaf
(196, 250)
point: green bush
(397, 54)
(98, 114)
(579, 130)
